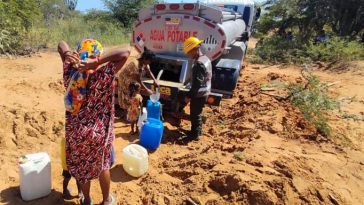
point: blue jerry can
(154, 109)
(151, 133)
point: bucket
(151, 133)
(154, 109)
(35, 176)
(142, 117)
(135, 160)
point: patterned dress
(134, 108)
(90, 133)
(128, 74)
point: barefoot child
(135, 105)
(66, 175)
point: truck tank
(164, 27)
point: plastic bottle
(135, 160)
(142, 117)
(35, 176)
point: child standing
(135, 105)
(66, 175)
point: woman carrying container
(134, 72)
(89, 126)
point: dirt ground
(254, 150)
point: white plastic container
(35, 176)
(155, 96)
(142, 117)
(135, 160)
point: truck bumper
(173, 96)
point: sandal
(113, 200)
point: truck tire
(235, 83)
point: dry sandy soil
(255, 149)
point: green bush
(76, 28)
(276, 49)
(314, 102)
(336, 49)
(5, 41)
(29, 25)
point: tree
(347, 17)
(53, 10)
(16, 18)
(309, 17)
(71, 4)
(126, 11)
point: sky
(84, 5)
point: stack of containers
(152, 129)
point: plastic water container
(154, 109)
(135, 160)
(142, 117)
(155, 96)
(151, 133)
(35, 176)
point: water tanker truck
(224, 27)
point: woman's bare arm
(117, 56)
(68, 56)
(63, 49)
(144, 89)
(150, 74)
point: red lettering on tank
(162, 35)
(177, 34)
(173, 36)
(180, 36)
(151, 35)
(169, 36)
(186, 35)
(156, 35)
